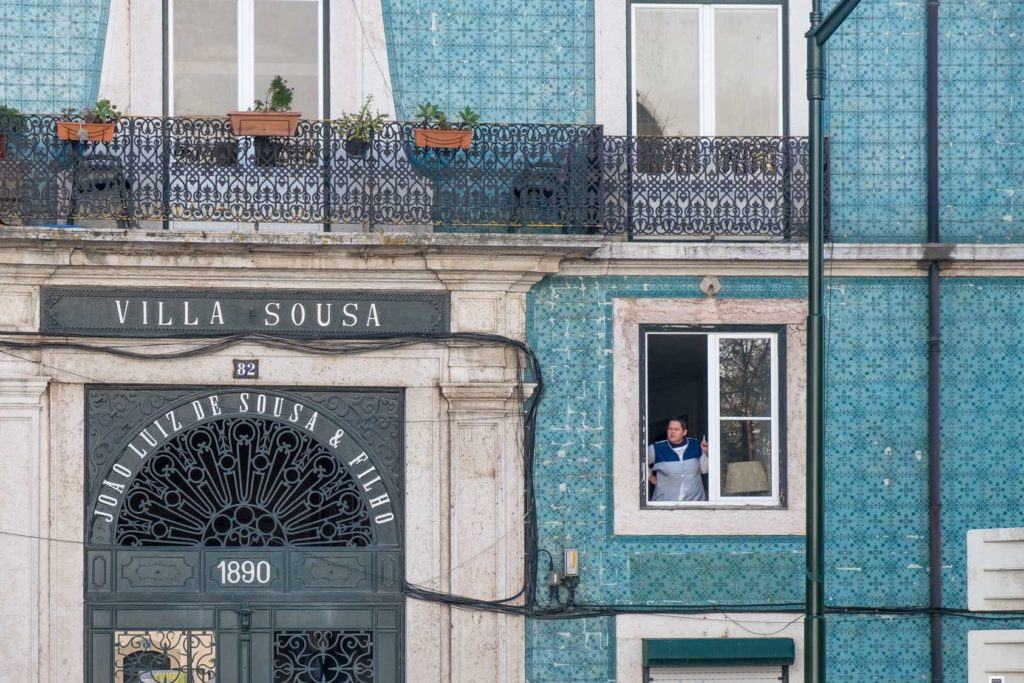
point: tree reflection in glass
(745, 409)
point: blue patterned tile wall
(51, 53)
(875, 116)
(877, 513)
(876, 442)
(570, 651)
(981, 122)
(873, 649)
(522, 61)
(983, 380)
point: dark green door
(243, 536)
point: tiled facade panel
(876, 440)
(523, 61)
(981, 122)
(571, 651)
(57, 53)
(875, 118)
(983, 391)
(876, 474)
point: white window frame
(706, 50)
(631, 517)
(714, 493)
(246, 28)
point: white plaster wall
(359, 58)
(611, 65)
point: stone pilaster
(23, 521)
(486, 528)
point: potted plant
(11, 121)
(358, 129)
(91, 124)
(438, 132)
(270, 116)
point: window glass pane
(666, 51)
(745, 377)
(747, 84)
(286, 44)
(746, 457)
(205, 57)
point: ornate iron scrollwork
(323, 657)
(243, 482)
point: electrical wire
(524, 601)
(332, 347)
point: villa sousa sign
(116, 312)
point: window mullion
(707, 70)
(776, 472)
(246, 53)
(714, 428)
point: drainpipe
(934, 347)
(821, 30)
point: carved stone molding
(22, 391)
(487, 398)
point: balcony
(179, 173)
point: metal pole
(814, 608)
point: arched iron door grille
(277, 514)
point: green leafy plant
(469, 119)
(277, 98)
(361, 125)
(101, 112)
(430, 116)
(428, 113)
(11, 120)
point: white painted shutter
(995, 569)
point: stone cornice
(511, 262)
(738, 259)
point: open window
(726, 385)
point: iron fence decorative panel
(245, 482)
(705, 186)
(570, 177)
(318, 656)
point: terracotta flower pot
(264, 123)
(443, 139)
(90, 132)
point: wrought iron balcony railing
(568, 177)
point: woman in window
(676, 465)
